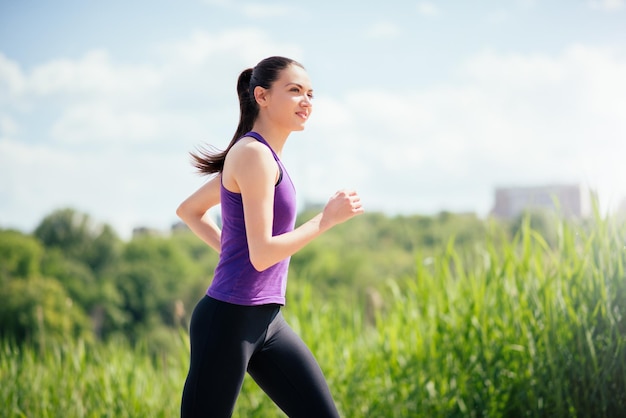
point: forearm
(265, 252)
(279, 247)
(194, 211)
(205, 228)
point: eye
(311, 96)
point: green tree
(39, 310)
(79, 238)
(32, 307)
(20, 255)
(77, 278)
(78, 253)
(152, 281)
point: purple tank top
(236, 280)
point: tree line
(73, 277)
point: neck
(276, 138)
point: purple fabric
(236, 280)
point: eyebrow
(297, 84)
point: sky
(420, 106)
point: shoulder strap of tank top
(259, 138)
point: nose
(307, 101)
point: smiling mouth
(303, 115)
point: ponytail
(211, 160)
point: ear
(260, 95)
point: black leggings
(227, 340)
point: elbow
(180, 211)
(259, 263)
(183, 212)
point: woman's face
(288, 101)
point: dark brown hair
(210, 161)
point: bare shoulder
(248, 151)
(248, 162)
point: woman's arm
(254, 170)
(194, 212)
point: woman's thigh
(287, 371)
(223, 338)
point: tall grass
(524, 328)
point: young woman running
(237, 326)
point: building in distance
(569, 200)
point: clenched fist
(343, 205)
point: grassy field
(521, 329)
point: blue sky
(421, 106)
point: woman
(238, 326)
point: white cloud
(243, 47)
(490, 67)
(219, 2)
(331, 113)
(101, 101)
(11, 79)
(114, 186)
(97, 122)
(8, 126)
(606, 5)
(498, 16)
(254, 10)
(383, 30)
(429, 9)
(265, 10)
(112, 138)
(93, 74)
(509, 119)
(527, 4)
